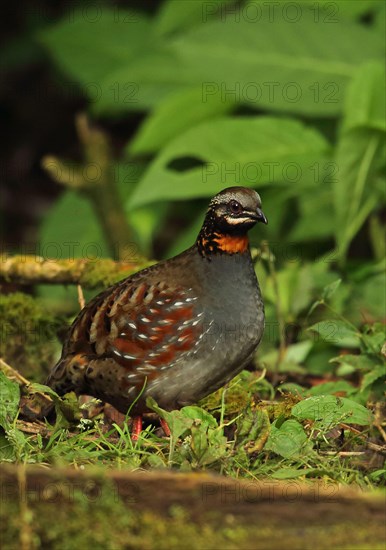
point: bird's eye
(235, 207)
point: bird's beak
(260, 216)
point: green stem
(278, 308)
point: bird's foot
(165, 427)
(136, 427)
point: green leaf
(305, 69)
(378, 372)
(196, 413)
(328, 388)
(87, 44)
(337, 332)
(360, 362)
(207, 444)
(9, 401)
(125, 61)
(42, 388)
(365, 103)
(328, 411)
(176, 16)
(330, 289)
(291, 473)
(350, 8)
(175, 114)
(360, 155)
(298, 352)
(64, 408)
(329, 12)
(230, 152)
(177, 421)
(289, 440)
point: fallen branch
(30, 269)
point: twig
(96, 180)
(13, 374)
(369, 444)
(81, 300)
(342, 453)
(378, 420)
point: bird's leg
(165, 427)
(136, 428)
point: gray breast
(233, 326)
(235, 303)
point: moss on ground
(29, 335)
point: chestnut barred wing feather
(143, 327)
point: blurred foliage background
(120, 120)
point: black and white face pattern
(237, 209)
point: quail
(178, 330)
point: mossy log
(29, 269)
(60, 509)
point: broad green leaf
(298, 352)
(328, 411)
(177, 113)
(270, 361)
(289, 440)
(176, 16)
(177, 421)
(365, 103)
(208, 445)
(9, 401)
(324, 10)
(328, 388)
(305, 69)
(318, 362)
(360, 155)
(362, 362)
(88, 43)
(196, 413)
(238, 151)
(369, 296)
(349, 8)
(378, 372)
(337, 332)
(144, 83)
(122, 63)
